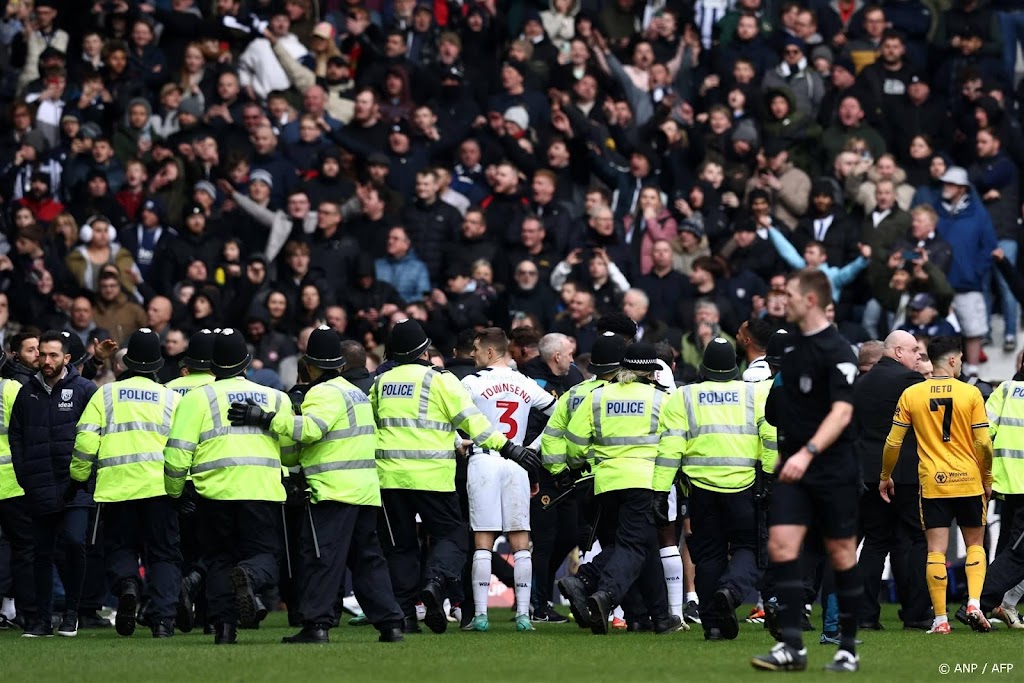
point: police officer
(340, 440)
(1005, 409)
(195, 366)
(605, 358)
(196, 372)
(717, 428)
(123, 432)
(418, 408)
(621, 423)
(237, 474)
(15, 523)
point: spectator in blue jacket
(965, 224)
(997, 180)
(815, 256)
(401, 269)
(42, 431)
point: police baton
(387, 522)
(287, 550)
(96, 524)
(568, 492)
(593, 531)
(312, 527)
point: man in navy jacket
(42, 432)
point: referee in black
(811, 404)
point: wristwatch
(812, 449)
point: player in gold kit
(948, 417)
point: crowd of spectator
(275, 165)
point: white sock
(672, 564)
(939, 620)
(522, 570)
(692, 597)
(8, 609)
(481, 580)
(974, 602)
(1010, 597)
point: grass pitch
(553, 652)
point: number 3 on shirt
(508, 411)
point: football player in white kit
(499, 489)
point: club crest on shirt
(67, 394)
(805, 384)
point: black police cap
(230, 354)
(775, 349)
(143, 353)
(323, 350)
(407, 341)
(607, 353)
(200, 350)
(719, 364)
(76, 349)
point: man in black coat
(354, 369)
(890, 529)
(42, 432)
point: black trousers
(347, 535)
(554, 535)
(724, 542)
(893, 529)
(145, 529)
(68, 528)
(1007, 570)
(16, 526)
(448, 532)
(634, 557)
(243, 533)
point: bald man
(892, 529)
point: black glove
(71, 492)
(565, 479)
(185, 504)
(295, 489)
(659, 506)
(249, 414)
(521, 456)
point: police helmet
(606, 356)
(230, 354)
(200, 350)
(407, 342)
(719, 364)
(323, 350)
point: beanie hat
(519, 116)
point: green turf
(557, 653)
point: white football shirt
(506, 397)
